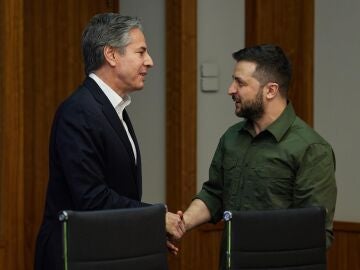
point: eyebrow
(238, 79)
(143, 48)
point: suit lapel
(115, 122)
(110, 114)
(138, 160)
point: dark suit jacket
(92, 166)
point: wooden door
(40, 65)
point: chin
(138, 86)
(238, 113)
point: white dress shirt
(119, 103)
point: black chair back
(128, 239)
(286, 239)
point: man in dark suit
(95, 159)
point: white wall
(147, 110)
(337, 95)
(221, 31)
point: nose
(148, 61)
(232, 89)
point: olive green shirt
(288, 165)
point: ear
(272, 90)
(110, 55)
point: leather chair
(286, 239)
(115, 239)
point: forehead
(244, 69)
(137, 38)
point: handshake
(175, 228)
(181, 222)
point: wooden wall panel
(209, 238)
(289, 24)
(40, 64)
(344, 254)
(11, 135)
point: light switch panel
(209, 70)
(209, 84)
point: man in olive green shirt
(270, 160)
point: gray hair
(107, 29)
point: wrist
(187, 221)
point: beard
(251, 109)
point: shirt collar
(115, 99)
(279, 127)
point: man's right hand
(175, 228)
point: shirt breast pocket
(277, 181)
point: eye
(141, 53)
(239, 82)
